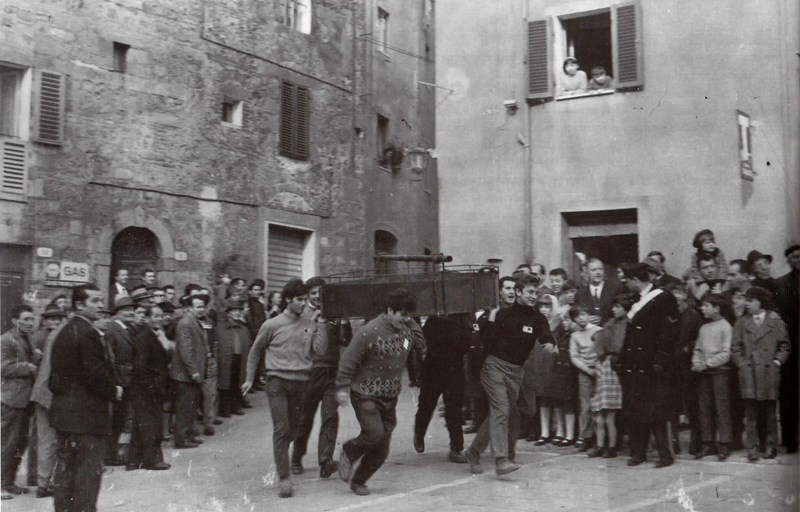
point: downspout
(527, 169)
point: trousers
(79, 471)
(378, 419)
(320, 389)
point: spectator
(573, 81)
(705, 243)
(119, 288)
(600, 80)
(119, 337)
(583, 355)
(607, 398)
(543, 360)
(169, 294)
(149, 278)
(234, 345)
(788, 287)
(663, 279)
(598, 294)
(188, 369)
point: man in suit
(19, 364)
(83, 383)
(645, 365)
(188, 368)
(119, 338)
(120, 287)
(598, 294)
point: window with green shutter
(295, 113)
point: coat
(226, 332)
(41, 393)
(599, 307)
(754, 350)
(256, 316)
(82, 380)
(191, 346)
(119, 337)
(564, 376)
(645, 364)
(149, 384)
(18, 365)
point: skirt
(607, 391)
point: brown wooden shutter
(14, 166)
(626, 41)
(301, 123)
(287, 119)
(49, 108)
(540, 83)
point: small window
(232, 112)
(121, 57)
(11, 99)
(295, 111)
(297, 15)
(383, 140)
(382, 30)
(588, 40)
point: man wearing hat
(234, 342)
(140, 295)
(789, 306)
(188, 368)
(119, 338)
(52, 318)
(761, 268)
(657, 261)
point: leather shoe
(662, 463)
(503, 466)
(186, 445)
(597, 452)
(15, 489)
(226, 415)
(238, 412)
(6, 496)
(209, 431)
(161, 466)
(359, 489)
(611, 453)
(474, 459)
(635, 461)
(43, 492)
(752, 456)
(345, 467)
(328, 468)
(114, 462)
(771, 454)
(217, 422)
(285, 488)
(457, 457)
(132, 467)
(196, 440)
(419, 443)
(247, 405)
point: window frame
(22, 103)
(300, 20)
(382, 30)
(295, 120)
(236, 112)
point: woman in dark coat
(149, 390)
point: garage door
(284, 255)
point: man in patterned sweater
(370, 373)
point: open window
(608, 38)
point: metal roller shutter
(284, 256)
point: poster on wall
(66, 273)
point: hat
(705, 232)
(186, 300)
(123, 302)
(234, 304)
(754, 256)
(789, 250)
(652, 264)
(762, 295)
(53, 311)
(140, 294)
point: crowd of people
(588, 362)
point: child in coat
(607, 398)
(760, 347)
(544, 355)
(583, 355)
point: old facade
(528, 173)
(191, 138)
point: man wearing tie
(599, 294)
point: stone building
(699, 130)
(198, 137)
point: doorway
(134, 249)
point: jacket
(18, 363)
(119, 337)
(41, 392)
(227, 331)
(191, 345)
(599, 307)
(82, 380)
(754, 351)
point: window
(294, 121)
(383, 139)
(121, 57)
(11, 100)
(608, 38)
(232, 112)
(15, 113)
(297, 15)
(382, 30)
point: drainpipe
(527, 169)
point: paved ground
(234, 471)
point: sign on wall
(65, 273)
(745, 151)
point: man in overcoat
(188, 368)
(645, 365)
(234, 345)
(83, 383)
(119, 337)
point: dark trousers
(640, 437)
(285, 402)
(378, 418)
(79, 471)
(442, 377)
(713, 395)
(686, 403)
(33, 449)
(119, 423)
(789, 398)
(321, 388)
(760, 425)
(14, 431)
(232, 400)
(187, 398)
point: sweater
(333, 335)
(515, 331)
(582, 352)
(287, 340)
(712, 351)
(373, 362)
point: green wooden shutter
(540, 83)
(626, 41)
(13, 165)
(49, 119)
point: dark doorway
(385, 243)
(15, 262)
(134, 249)
(611, 250)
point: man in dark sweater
(370, 376)
(321, 386)
(511, 333)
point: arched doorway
(134, 249)
(385, 243)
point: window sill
(387, 170)
(601, 92)
(231, 125)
